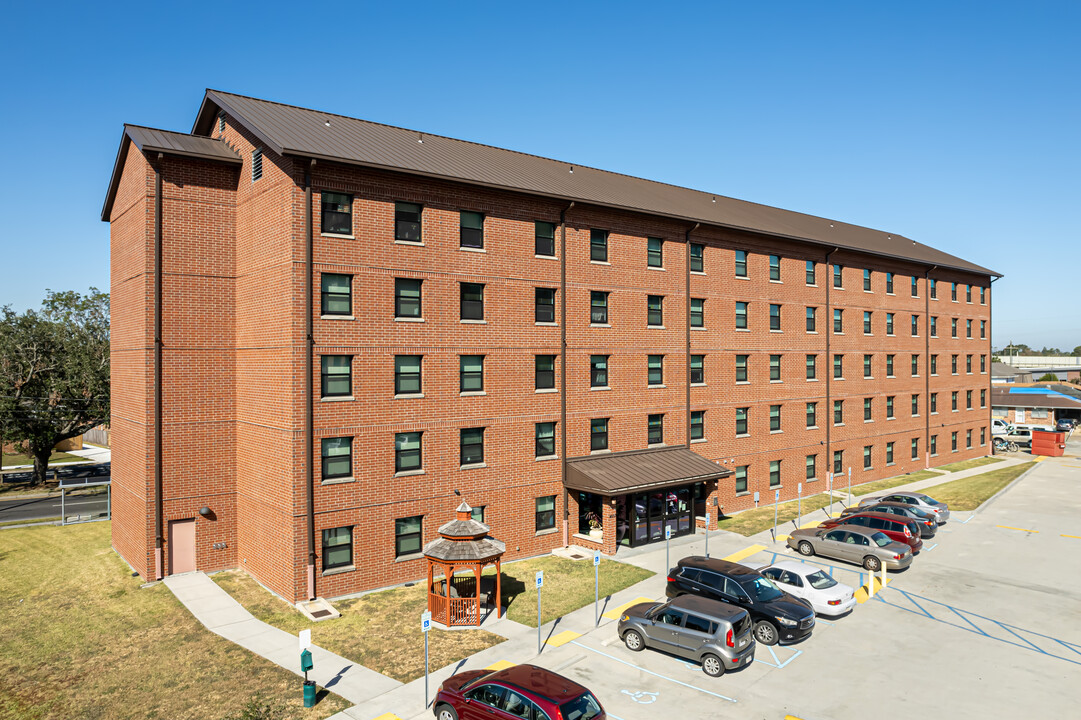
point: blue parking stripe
(1007, 629)
(923, 610)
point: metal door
(181, 546)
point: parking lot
(986, 623)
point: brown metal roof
(637, 470)
(151, 141)
(309, 133)
(1004, 398)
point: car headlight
(786, 622)
(624, 618)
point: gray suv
(714, 633)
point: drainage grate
(320, 613)
(577, 556)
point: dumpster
(1051, 444)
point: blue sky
(954, 123)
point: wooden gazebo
(463, 544)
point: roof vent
(572, 169)
(256, 164)
(221, 121)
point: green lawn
(888, 483)
(966, 464)
(82, 638)
(752, 522)
(8, 460)
(971, 492)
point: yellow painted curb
(1040, 458)
(1007, 527)
(744, 553)
(863, 596)
(500, 665)
(562, 638)
(810, 524)
(614, 613)
(782, 538)
(387, 716)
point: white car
(812, 583)
(1000, 427)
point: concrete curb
(987, 503)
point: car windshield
(761, 588)
(918, 512)
(881, 539)
(477, 680)
(583, 707)
(929, 500)
(820, 580)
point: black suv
(776, 614)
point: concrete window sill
(472, 393)
(409, 473)
(338, 235)
(410, 556)
(409, 319)
(337, 481)
(409, 242)
(549, 531)
(337, 398)
(473, 322)
(338, 571)
(473, 250)
(409, 396)
(546, 390)
(337, 317)
(473, 466)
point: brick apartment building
(328, 332)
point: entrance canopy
(637, 470)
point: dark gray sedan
(869, 548)
(924, 502)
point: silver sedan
(870, 548)
(924, 502)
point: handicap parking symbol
(642, 697)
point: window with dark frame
(545, 439)
(889, 406)
(544, 305)
(915, 365)
(915, 405)
(774, 317)
(953, 401)
(915, 447)
(544, 243)
(698, 424)
(934, 445)
(472, 301)
(889, 323)
(934, 364)
(741, 368)
(915, 287)
(774, 367)
(471, 230)
(775, 267)
(698, 315)
(544, 372)
(598, 434)
(407, 298)
(889, 453)
(470, 373)
(968, 399)
(337, 457)
(811, 313)
(407, 535)
(933, 292)
(889, 283)
(336, 294)
(867, 365)
(866, 322)
(407, 379)
(741, 315)
(697, 253)
(774, 418)
(934, 404)
(598, 245)
(810, 272)
(983, 399)
(337, 548)
(654, 252)
(968, 328)
(545, 513)
(655, 369)
(407, 452)
(953, 327)
(407, 222)
(968, 438)
(477, 513)
(838, 461)
(598, 307)
(953, 291)
(867, 279)
(889, 365)
(867, 456)
(741, 263)
(774, 473)
(953, 364)
(812, 461)
(698, 369)
(837, 276)
(655, 310)
(838, 412)
(953, 441)
(915, 325)
(838, 366)
(968, 293)
(337, 213)
(741, 420)
(598, 371)
(983, 329)
(337, 375)
(655, 429)
(983, 301)
(221, 121)
(741, 479)
(812, 366)
(838, 321)
(471, 446)
(867, 408)
(934, 326)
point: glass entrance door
(650, 513)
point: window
(337, 548)
(838, 461)
(654, 252)
(934, 403)
(337, 375)
(774, 317)
(915, 287)
(655, 369)
(774, 367)
(838, 366)
(889, 323)
(811, 272)
(915, 365)
(867, 280)
(741, 368)
(953, 364)
(983, 432)
(983, 301)
(544, 234)
(953, 441)
(867, 365)
(812, 362)
(257, 165)
(697, 251)
(741, 263)
(812, 460)
(775, 267)
(655, 310)
(915, 325)
(889, 283)
(968, 438)
(811, 312)
(698, 424)
(889, 406)
(889, 365)
(953, 401)
(838, 320)
(546, 513)
(741, 315)
(544, 305)
(407, 534)
(655, 429)
(983, 400)
(837, 277)
(698, 312)
(472, 300)
(983, 329)
(968, 328)
(337, 294)
(544, 372)
(337, 215)
(812, 414)
(867, 456)
(598, 245)
(968, 294)
(407, 375)
(866, 322)
(915, 405)
(407, 455)
(774, 473)
(774, 418)
(934, 364)
(470, 373)
(953, 292)
(934, 326)
(867, 408)
(983, 364)
(545, 439)
(968, 399)
(471, 230)
(915, 445)
(968, 364)
(741, 421)
(934, 289)
(889, 453)
(953, 327)
(407, 222)
(598, 434)
(598, 371)
(598, 308)
(838, 412)
(337, 458)
(471, 446)
(698, 369)
(741, 479)
(407, 298)
(477, 513)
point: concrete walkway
(223, 615)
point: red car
(522, 692)
(895, 527)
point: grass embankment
(967, 464)
(889, 483)
(971, 492)
(81, 638)
(752, 522)
(8, 460)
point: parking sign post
(540, 584)
(849, 484)
(596, 586)
(799, 502)
(425, 625)
(707, 535)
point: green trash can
(309, 693)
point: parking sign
(540, 579)
(596, 557)
(667, 532)
(776, 494)
(426, 621)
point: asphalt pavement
(91, 501)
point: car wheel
(633, 640)
(872, 563)
(712, 665)
(806, 548)
(445, 712)
(766, 633)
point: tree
(1076, 350)
(1048, 377)
(54, 372)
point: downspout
(829, 367)
(927, 374)
(687, 332)
(563, 368)
(309, 349)
(159, 539)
